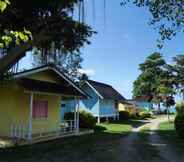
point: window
(116, 104)
(40, 109)
(63, 105)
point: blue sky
(122, 43)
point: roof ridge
(100, 83)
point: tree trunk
(168, 116)
(159, 109)
(18, 52)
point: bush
(124, 115)
(86, 120)
(145, 114)
(179, 120)
(179, 125)
(69, 116)
(180, 108)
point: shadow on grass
(98, 144)
(63, 147)
(133, 123)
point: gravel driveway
(149, 149)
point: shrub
(145, 114)
(180, 108)
(86, 120)
(179, 125)
(124, 115)
(69, 116)
(179, 120)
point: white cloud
(89, 72)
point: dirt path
(165, 150)
(137, 148)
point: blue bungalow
(102, 103)
(142, 102)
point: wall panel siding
(53, 120)
(14, 108)
(107, 107)
(92, 104)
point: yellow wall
(10, 102)
(14, 106)
(125, 107)
(122, 107)
(53, 120)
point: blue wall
(67, 106)
(93, 105)
(145, 105)
(107, 107)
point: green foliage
(17, 37)
(166, 16)
(151, 70)
(53, 29)
(51, 18)
(69, 63)
(179, 120)
(124, 115)
(69, 116)
(156, 81)
(180, 109)
(86, 120)
(3, 4)
(179, 125)
(9, 36)
(145, 114)
(178, 69)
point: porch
(20, 137)
(19, 132)
(48, 126)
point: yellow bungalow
(30, 104)
(126, 106)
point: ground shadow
(100, 146)
(70, 147)
(134, 123)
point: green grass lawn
(167, 131)
(100, 146)
(115, 127)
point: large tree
(166, 87)
(50, 22)
(178, 70)
(166, 15)
(148, 81)
(69, 63)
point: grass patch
(115, 127)
(144, 133)
(167, 131)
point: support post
(77, 129)
(98, 119)
(75, 114)
(30, 117)
(107, 119)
